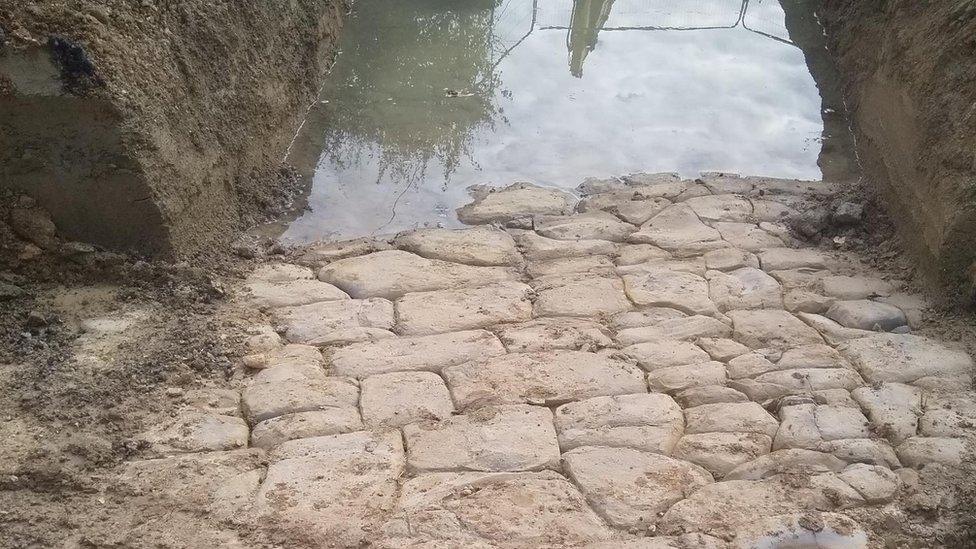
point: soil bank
(910, 82)
(156, 127)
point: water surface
(429, 97)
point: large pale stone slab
(548, 378)
(194, 431)
(864, 314)
(708, 394)
(633, 254)
(550, 334)
(427, 313)
(479, 246)
(493, 438)
(516, 201)
(540, 248)
(597, 265)
(876, 484)
(580, 295)
(721, 207)
(687, 328)
(720, 508)
(287, 355)
(856, 287)
(771, 328)
(655, 355)
(284, 285)
(220, 484)
(597, 225)
(730, 417)
(746, 236)
(722, 349)
(481, 510)
(644, 317)
(331, 490)
(745, 288)
(677, 227)
(630, 204)
(893, 408)
(328, 421)
(678, 378)
(730, 259)
(332, 322)
(648, 422)
(790, 461)
(906, 358)
(809, 426)
(629, 488)
(262, 401)
(398, 398)
(393, 273)
(427, 353)
(719, 453)
(813, 379)
(780, 259)
(674, 289)
(917, 452)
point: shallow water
(429, 97)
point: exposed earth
(664, 363)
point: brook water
(429, 97)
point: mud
(157, 127)
(910, 82)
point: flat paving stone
(633, 254)
(792, 461)
(665, 353)
(677, 227)
(719, 453)
(893, 408)
(780, 259)
(293, 354)
(708, 394)
(746, 236)
(427, 313)
(872, 451)
(646, 422)
(730, 259)
(335, 322)
(596, 265)
(580, 295)
(597, 225)
(674, 289)
(494, 438)
(744, 288)
(630, 488)
(331, 490)
(513, 202)
(195, 431)
(687, 328)
(649, 316)
(283, 285)
(876, 484)
(263, 401)
(722, 349)
(395, 399)
(629, 204)
(328, 421)
(864, 314)
(478, 246)
(809, 426)
(540, 248)
(917, 452)
(678, 378)
(856, 287)
(393, 273)
(813, 379)
(771, 328)
(549, 378)
(906, 358)
(507, 510)
(721, 207)
(424, 353)
(550, 334)
(731, 417)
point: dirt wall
(157, 127)
(910, 81)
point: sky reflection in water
(429, 97)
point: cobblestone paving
(657, 365)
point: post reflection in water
(429, 97)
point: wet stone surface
(622, 377)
